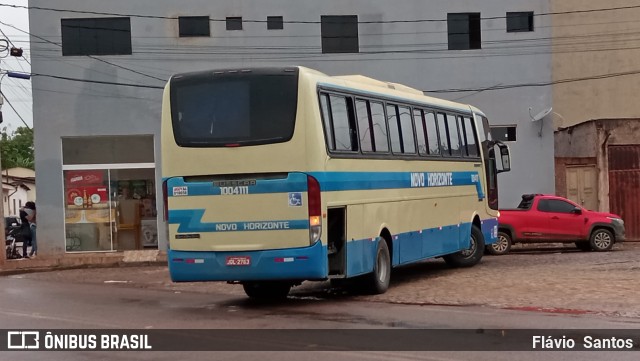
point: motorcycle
(13, 240)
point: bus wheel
(267, 291)
(471, 255)
(377, 282)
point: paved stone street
(548, 278)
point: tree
(17, 148)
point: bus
(275, 176)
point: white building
(102, 66)
(18, 187)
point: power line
(89, 56)
(308, 22)
(97, 81)
(14, 45)
(540, 84)
(14, 110)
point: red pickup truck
(549, 219)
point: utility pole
(16, 52)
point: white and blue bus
(274, 176)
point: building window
(519, 21)
(464, 31)
(96, 36)
(275, 23)
(234, 23)
(504, 133)
(193, 26)
(109, 192)
(339, 34)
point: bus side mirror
(505, 158)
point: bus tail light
(315, 209)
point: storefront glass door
(110, 209)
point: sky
(17, 91)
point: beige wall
(588, 144)
(593, 44)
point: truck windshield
(234, 108)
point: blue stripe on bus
(190, 221)
(310, 262)
(339, 181)
(307, 263)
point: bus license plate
(239, 261)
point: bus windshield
(233, 109)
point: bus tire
(470, 256)
(377, 282)
(267, 291)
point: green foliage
(17, 148)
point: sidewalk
(85, 260)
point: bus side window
(432, 133)
(470, 137)
(406, 129)
(394, 128)
(346, 137)
(328, 129)
(421, 135)
(464, 149)
(444, 135)
(454, 137)
(364, 126)
(379, 124)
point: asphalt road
(41, 304)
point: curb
(115, 264)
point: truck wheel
(502, 245)
(267, 291)
(471, 256)
(601, 240)
(377, 282)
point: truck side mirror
(577, 210)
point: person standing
(25, 232)
(30, 209)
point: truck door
(563, 221)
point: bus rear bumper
(299, 264)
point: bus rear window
(234, 109)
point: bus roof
(360, 83)
(396, 90)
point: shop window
(110, 209)
(109, 193)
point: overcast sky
(17, 91)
